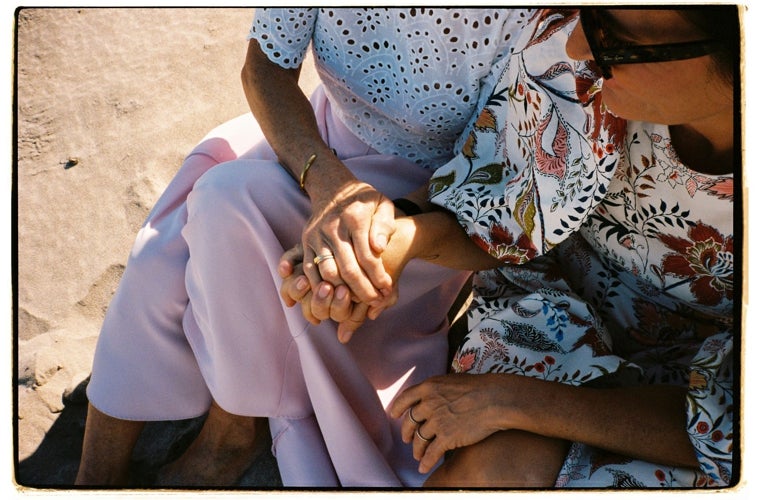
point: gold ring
(321, 258)
(411, 417)
(417, 432)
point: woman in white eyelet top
(405, 81)
(197, 324)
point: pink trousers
(198, 315)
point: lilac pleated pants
(198, 315)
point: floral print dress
(619, 258)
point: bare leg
(224, 449)
(511, 459)
(107, 449)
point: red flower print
(707, 262)
(703, 427)
(544, 30)
(660, 475)
(723, 188)
(464, 361)
(549, 360)
(539, 367)
(656, 325)
(717, 436)
(585, 86)
(601, 119)
(553, 162)
(502, 245)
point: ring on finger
(411, 417)
(321, 258)
(419, 435)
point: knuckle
(355, 323)
(352, 273)
(329, 273)
(338, 313)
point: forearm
(438, 238)
(287, 120)
(646, 422)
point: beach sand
(109, 101)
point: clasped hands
(346, 268)
(348, 261)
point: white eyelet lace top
(406, 81)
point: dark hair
(719, 22)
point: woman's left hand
(448, 412)
(350, 227)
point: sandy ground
(109, 102)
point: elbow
(247, 76)
(250, 73)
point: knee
(461, 469)
(240, 185)
(470, 470)
(507, 459)
(218, 187)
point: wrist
(325, 177)
(401, 246)
(505, 401)
(305, 171)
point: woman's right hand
(325, 301)
(352, 225)
(350, 220)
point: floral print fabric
(619, 258)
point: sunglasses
(609, 51)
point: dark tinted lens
(593, 32)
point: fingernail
(374, 313)
(341, 293)
(345, 336)
(323, 291)
(301, 283)
(283, 269)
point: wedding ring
(321, 258)
(411, 417)
(417, 432)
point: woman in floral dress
(601, 329)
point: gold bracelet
(306, 168)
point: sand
(109, 101)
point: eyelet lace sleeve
(284, 34)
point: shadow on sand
(54, 464)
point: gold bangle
(306, 168)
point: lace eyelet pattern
(407, 81)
